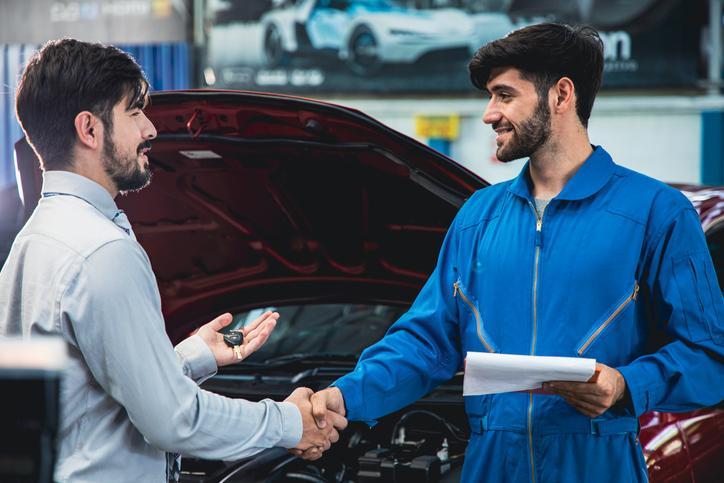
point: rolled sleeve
(196, 358)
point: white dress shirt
(126, 397)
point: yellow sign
(439, 126)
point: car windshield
(339, 329)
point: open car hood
(260, 199)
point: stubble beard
(529, 137)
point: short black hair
(66, 77)
(544, 53)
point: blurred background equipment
(30, 378)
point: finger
(259, 320)
(255, 341)
(333, 436)
(262, 329)
(579, 406)
(573, 387)
(319, 409)
(295, 451)
(312, 454)
(338, 421)
(220, 322)
(593, 399)
(588, 409)
(300, 393)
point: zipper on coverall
(476, 312)
(631, 298)
(538, 246)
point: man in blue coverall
(576, 257)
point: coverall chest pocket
(606, 324)
(471, 318)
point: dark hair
(543, 54)
(66, 77)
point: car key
(234, 339)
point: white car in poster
(369, 33)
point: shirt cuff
(197, 359)
(291, 425)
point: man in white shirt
(130, 404)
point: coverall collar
(588, 180)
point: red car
(335, 220)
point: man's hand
(327, 408)
(255, 334)
(315, 440)
(330, 399)
(591, 398)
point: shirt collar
(67, 183)
(593, 175)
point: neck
(93, 170)
(557, 162)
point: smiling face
(520, 118)
(126, 145)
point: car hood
(708, 201)
(261, 199)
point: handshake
(322, 417)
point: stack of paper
(487, 373)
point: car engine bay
(424, 442)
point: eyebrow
(139, 97)
(141, 103)
(502, 87)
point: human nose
(149, 130)
(491, 113)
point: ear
(88, 129)
(564, 93)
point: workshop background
(404, 62)
(661, 109)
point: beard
(125, 172)
(529, 136)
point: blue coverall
(617, 269)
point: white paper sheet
(487, 373)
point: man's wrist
(620, 386)
(292, 426)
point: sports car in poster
(369, 33)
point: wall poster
(414, 46)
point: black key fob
(234, 338)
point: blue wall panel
(712, 147)
(167, 66)
(12, 60)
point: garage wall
(660, 136)
(165, 65)
(12, 59)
